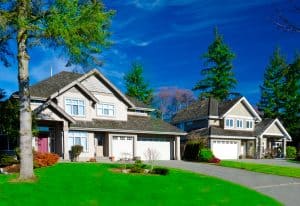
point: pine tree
(271, 101)
(77, 29)
(219, 79)
(136, 85)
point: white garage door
(160, 146)
(225, 149)
(122, 147)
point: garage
(160, 146)
(225, 149)
(122, 147)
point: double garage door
(225, 149)
(122, 147)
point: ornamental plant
(75, 152)
(205, 155)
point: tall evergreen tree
(79, 28)
(271, 101)
(136, 85)
(219, 79)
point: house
(233, 129)
(88, 110)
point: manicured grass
(95, 184)
(263, 168)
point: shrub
(6, 160)
(160, 171)
(191, 150)
(42, 159)
(291, 152)
(205, 155)
(76, 151)
(214, 160)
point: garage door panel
(161, 146)
(225, 149)
(122, 146)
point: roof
(204, 108)
(263, 125)
(47, 87)
(138, 103)
(136, 124)
(218, 131)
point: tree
(218, 78)
(136, 85)
(271, 100)
(76, 28)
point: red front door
(42, 144)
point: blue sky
(169, 36)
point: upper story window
(239, 123)
(75, 107)
(229, 123)
(249, 124)
(106, 109)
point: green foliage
(205, 155)
(191, 150)
(7, 161)
(76, 151)
(136, 85)
(218, 79)
(291, 152)
(160, 171)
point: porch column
(284, 147)
(134, 145)
(260, 147)
(65, 134)
(177, 148)
(109, 145)
(256, 148)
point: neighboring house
(233, 129)
(87, 109)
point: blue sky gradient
(169, 37)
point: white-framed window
(239, 123)
(106, 109)
(78, 138)
(75, 107)
(249, 124)
(229, 123)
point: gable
(240, 109)
(274, 130)
(93, 84)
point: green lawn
(94, 184)
(263, 168)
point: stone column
(65, 135)
(134, 145)
(284, 147)
(177, 148)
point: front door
(43, 144)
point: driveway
(284, 189)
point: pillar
(177, 148)
(109, 145)
(65, 134)
(134, 145)
(284, 147)
(260, 147)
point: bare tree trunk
(26, 156)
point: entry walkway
(284, 189)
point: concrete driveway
(284, 189)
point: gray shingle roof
(49, 86)
(138, 103)
(133, 123)
(263, 125)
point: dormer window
(106, 109)
(229, 123)
(249, 124)
(75, 107)
(239, 123)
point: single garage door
(122, 147)
(225, 149)
(160, 146)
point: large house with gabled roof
(233, 129)
(88, 110)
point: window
(75, 107)
(249, 124)
(106, 109)
(229, 123)
(78, 138)
(239, 123)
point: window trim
(71, 134)
(239, 123)
(105, 103)
(251, 123)
(76, 99)
(229, 126)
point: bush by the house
(205, 155)
(6, 160)
(291, 152)
(76, 151)
(214, 160)
(160, 171)
(137, 167)
(191, 149)
(42, 159)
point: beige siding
(240, 110)
(214, 122)
(274, 129)
(48, 114)
(94, 85)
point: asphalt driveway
(284, 189)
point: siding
(240, 110)
(93, 84)
(273, 129)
